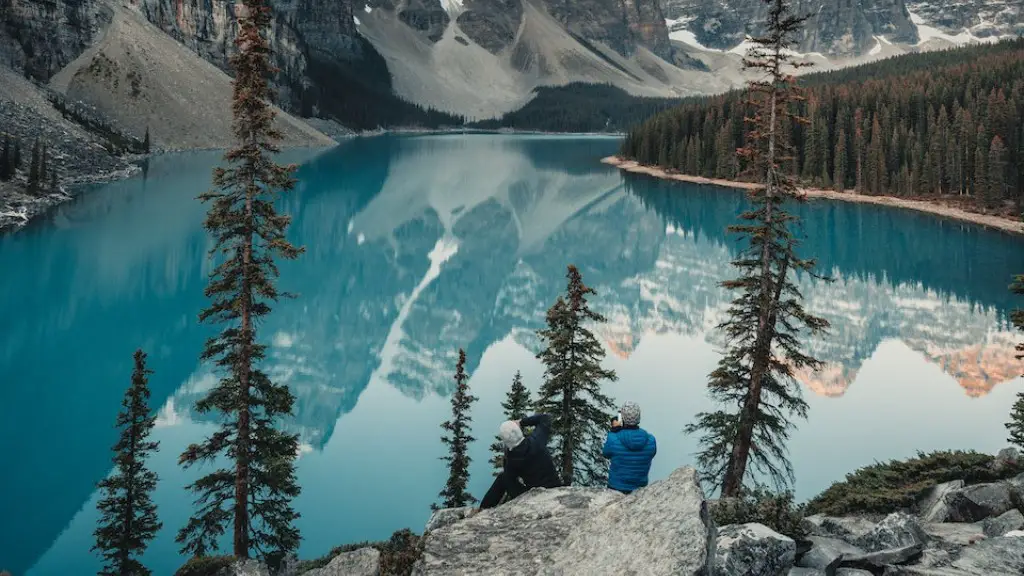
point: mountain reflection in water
(419, 245)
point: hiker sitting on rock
(527, 461)
(630, 449)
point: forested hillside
(581, 107)
(942, 123)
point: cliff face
(303, 31)
(41, 38)
(836, 27)
(621, 24)
(983, 18)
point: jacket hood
(634, 439)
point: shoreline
(1000, 223)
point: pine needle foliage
(457, 439)
(128, 519)
(252, 496)
(516, 405)
(754, 379)
(571, 393)
(1016, 424)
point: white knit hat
(510, 433)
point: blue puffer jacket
(631, 451)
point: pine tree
(145, 141)
(6, 160)
(43, 169)
(571, 392)
(33, 171)
(457, 438)
(996, 185)
(1016, 423)
(16, 158)
(253, 496)
(516, 405)
(128, 519)
(839, 176)
(763, 325)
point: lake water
(419, 245)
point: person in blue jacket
(630, 449)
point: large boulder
(980, 501)
(1006, 522)
(445, 516)
(825, 550)
(362, 562)
(661, 529)
(1007, 458)
(847, 528)
(664, 528)
(894, 531)
(992, 557)
(933, 508)
(751, 549)
(799, 571)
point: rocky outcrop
(978, 502)
(982, 18)
(933, 508)
(836, 28)
(493, 24)
(661, 529)
(752, 549)
(42, 37)
(1004, 523)
(894, 531)
(622, 25)
(362, 562)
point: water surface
(419, 245)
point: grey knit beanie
(630, 414)
(510, 433)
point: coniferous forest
(927, 125)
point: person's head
(630, 414)
(510, 433)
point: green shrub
(397, 555)
(205, 565)
(898, 485)
(775, 511)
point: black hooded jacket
(531, 461)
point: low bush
(898, 485)
(205, 565)
(775, 510)
(397, 555)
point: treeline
(581, 107)
(42, 175)
(916, 125)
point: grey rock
(982, 18)
(894, 531)
(980, 501)
(661, 529)
(954, 533)
(873, 561)
(1006, 522)
(752, 549)
(245, 568)
(825, 550)
(1006, 458)
(798, 571)
(992, 557)
(427, 16)
(362, 562)
(620, 24)
(847, 528)
(446, 516)
(493, 24)
(933, 508)
(40, 38)
(835, 28)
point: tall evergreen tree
(6, 160)
(516, 405)
(128, 519)
(16, 157)
(1016, 423)
(457, 438)
(762, 330)
(996, 184)
(44, 169)
(145, 141)
(33, 171)
(839, 175)
(571, 392)
(253, 496)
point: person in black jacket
(527, 460)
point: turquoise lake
(419, 245)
